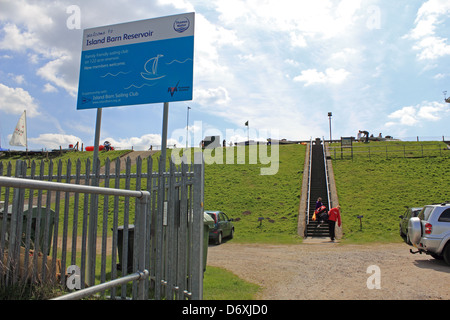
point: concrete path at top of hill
(133, 157)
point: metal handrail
(80, 294)
(67, 187)
(309, 182)
(330, 205)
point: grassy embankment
(381, 186)
(245, 195)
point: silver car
(404, 219)
(429, 232)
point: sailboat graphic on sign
(152, 74)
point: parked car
(404, 219)
(223, 226)
(429, 232)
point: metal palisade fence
(80, 229)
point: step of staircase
(314, 230)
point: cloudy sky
(282, 65)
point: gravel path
(323, 270)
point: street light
(329, 117)
(187, 126)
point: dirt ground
(321, 270)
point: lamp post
(187, 126)
(329, 117)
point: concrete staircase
(318, 188)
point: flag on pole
(248, 132)
(19, 137)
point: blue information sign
(148, 61)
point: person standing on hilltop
(334, 215)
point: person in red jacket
(334, 215)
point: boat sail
(19, 137)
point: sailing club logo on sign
(181, 24)
(177, 88)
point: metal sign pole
(97, 136)
(164, 136)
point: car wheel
(436, 256)
(446, 253)
(219, 238)
(232, 233)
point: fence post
(159, 229)
(197, 270)
(141, 236)
(92, 233)
(182, 233)
(15, 231)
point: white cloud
(179, 4)
(15, 40)
(19, 79)
(291, 62)
(38, 28)
(304, 20)
(49, 88)
(330, 76)
(413, 115)
(51, 72)
(345, 56)
(429, 18)
(405, 116)
(297, 40)
(33, 15)
(209, 39)
(16, 100)
(432, 48)
(54, 140)
(440, 76)
(212, 97)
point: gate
(80, 229)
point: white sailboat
(19, 137)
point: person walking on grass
(334, 215)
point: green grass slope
(380, 189)
(245, 195)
